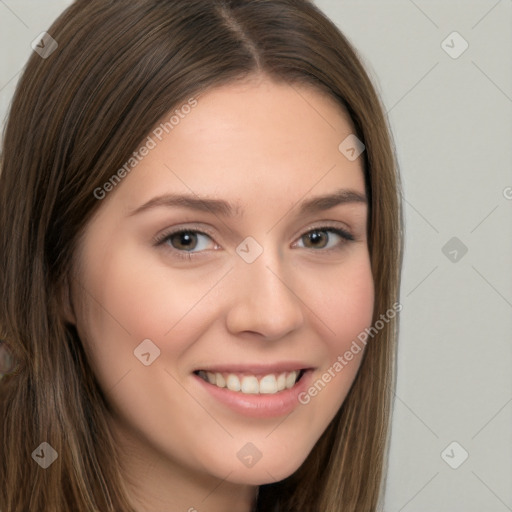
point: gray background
(451, 120)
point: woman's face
(210, 256)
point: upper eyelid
(167, 233)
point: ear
(67, 309)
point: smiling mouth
(248, 384)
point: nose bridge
(263, 297)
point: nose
(263, 299)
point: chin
(267, 472)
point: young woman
(199, 264)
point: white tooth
(221, 382)
(211, 377)
(268, 384)
(233, 382)
(250, 385)
(281, 382)
(290, 379)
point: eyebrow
(221, 207)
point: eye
(189, 243)
(185, 240)
(326, 238)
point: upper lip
(256, 369)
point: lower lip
(259, 405)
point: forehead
(249, 139)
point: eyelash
(160, 240)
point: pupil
(316, 236)
(186, 239)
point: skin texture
(265, 147)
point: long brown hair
(76, 118)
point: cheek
(343, 300)
(129, 298)
(343, 303)
(125, 301)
